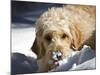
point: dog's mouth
(58, 60)
(56, 56)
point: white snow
(22, 40)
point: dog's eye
(48, 38)
(64, 36)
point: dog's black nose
(57, 56)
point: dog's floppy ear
(35, 47)
(38, 48)
(77, 37)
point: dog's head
(56, 33)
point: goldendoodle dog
(62, 30)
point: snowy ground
(22, 40)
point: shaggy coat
(64, 29)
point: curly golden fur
(63, 29)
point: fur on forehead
(52, 18)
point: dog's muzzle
(56, 56)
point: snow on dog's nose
(56, 56)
